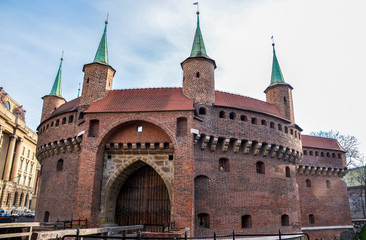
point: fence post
(214, 234)
(185, 235)
(279, 234)
(77, 233)
(233, 234)
(139, 234)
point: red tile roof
(143, 100)
(321, 142)
(67, 107)
(224, 99)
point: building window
(284, 100)
(15, 198)
(23, 151)
(311, 219)
(286, 129)
(182, 126)
(63, 121)
(322, 154)
(94, 128)
(21, 199)
(7, 105)
(232, 115)
(222, 114)
(197, 74)
(29, 181)
(60, 165)
(311, 153)
(328, 183)
(263, 122)
(254, 121)
(246, 221)
(291, 132)
(18, 181)
(31, 166)
(139, 129)
(203, 220)
(243, 118)
(8, 199)
(51, 124)
(57, 123)
(285, 220)
(224, 165)
(81, 115)
(328, 154)
(288, 174)
(71, 119)
(279, 127)
(47, 126)
(26, 200)
(46, 216)
(308, 183)
(24, 177)
(260, 167)
(202, 111)
(316, 153)
(271, 124)
(305, 152)
(21, 164)
(333, 155)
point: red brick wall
(276, 94)
(50, 103)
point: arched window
(305, 152)
(64, 121)
(311, 219)
(57, 123)
(327, 183)
(246, 221)
(243, 118)
(308, 183)
(60, 165)
(333, 155)
(260, 167)
(232, 115)
(279, 127)
(224, 165)
(182, 126)
(7, 105)
(203, 220)
(285, 220)
(271, 124)
(263, 122)
(222, 114)
(46, 216)
(288, 174)
(316, 153)
(15, 198)
(311, 153)
(328, 154)
(254, 121)
(51, 124)
(71, 119)
(202, 111)
(322, 154)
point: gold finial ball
(62, 59)
(106, 22)
(198, 12)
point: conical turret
(98, 75)
(279, 92)
(56, 88)
(199, 71)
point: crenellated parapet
(59, 147)
(321, 171)
(245, 146)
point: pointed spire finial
(101, 55)
(276, 77)
(56, 88)
(198, 47)
(79, 89)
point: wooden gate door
(143, 198)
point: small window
(284, 100)
(263, 122)
(316, 153)
(139, 129)
(243, 118)
(339, 156)
(222, 114)
(328, 154)
(311, 153)
(94, 128)
(71, 119)
(311, 219)
(279, 127)
(182, 126)
(203, 220)
(333, 155)
(246, 221)
(285, 220)
(47, 126)
(60, 165)
(308, 183)
(288, 174)
(171, 158)
(286, 129)
(254, 121)
(327, 183)
(322, 154)
(63, 121)
(295, 133)
(57, 123)
(202, 111)
(51, 124)
(291, 132)
(7, 105)
(271, 124)
(87, 80)
(197, 74)
(46, 216)
(260, 167)
(305, 152)
(224, 165)
(15, 196)
(81, 115)
(232, 115)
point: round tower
(54, 99)
(199, 72)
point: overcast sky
(320, 45)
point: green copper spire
(276, 77)
(56, 88)
(198, 48)
(102, 53)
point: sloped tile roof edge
(321, 143)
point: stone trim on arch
(118, 168)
